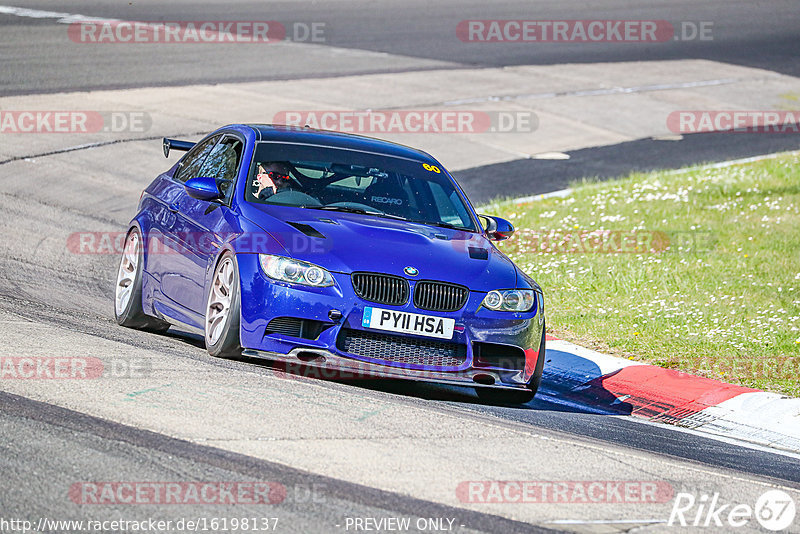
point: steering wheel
(293, 198)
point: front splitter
(334, 366)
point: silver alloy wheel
(219, 301)
(128, 269)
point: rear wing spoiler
(174, 144)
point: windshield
(345, 180)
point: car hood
(344, 242)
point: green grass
(716, 293)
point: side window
(190, 167)
(222, 164)
(223, 160)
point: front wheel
(128, 293)
(223, 310)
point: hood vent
(310, 231)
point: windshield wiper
(346, 209)
(357, 210)
(444, 225)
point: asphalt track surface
(756, 34)
(418, 36)
(59, 436)
(48, 447)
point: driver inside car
(272, 178)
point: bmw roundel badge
(411, 271)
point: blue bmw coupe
(331, 251)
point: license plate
(408, 323)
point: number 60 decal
(432, 168)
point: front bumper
(264, 299)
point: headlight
(512, 300)
(294, 271)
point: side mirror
(497, 229)
(202, 188)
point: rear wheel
(128, 293)
(223, 310)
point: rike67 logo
(774, 510)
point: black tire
(228, 345)
(536, 379)
(505, 396)
(132, 315)
(518, 396)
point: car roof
(295, 134)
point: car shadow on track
(553, 394)
(545, 400)
(572, 380)
(557, 393)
